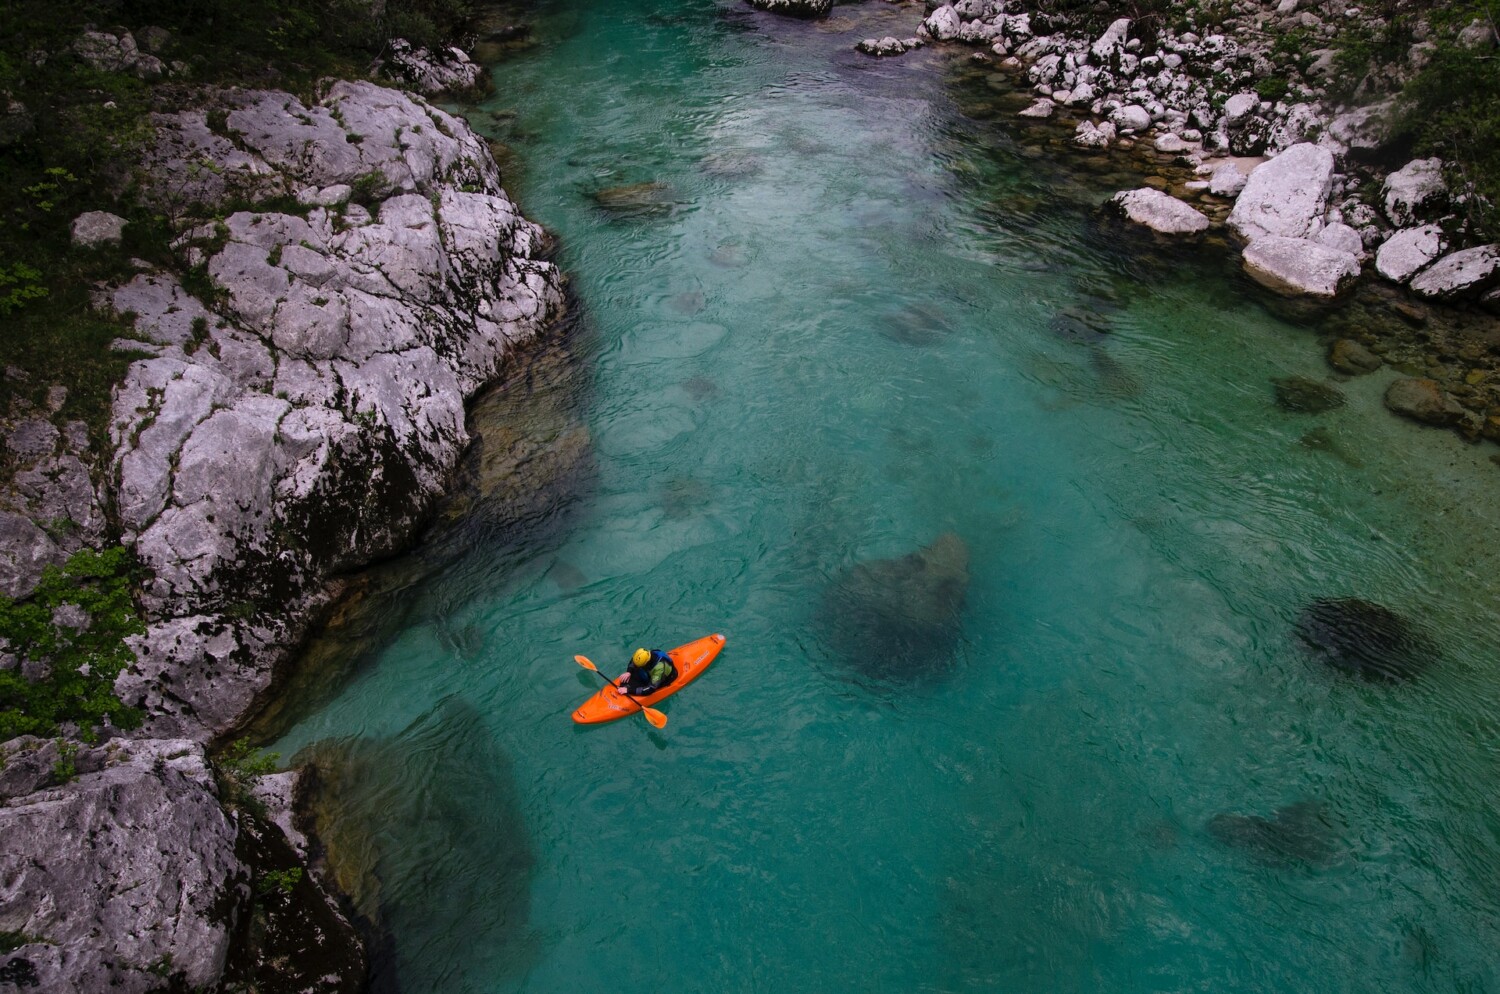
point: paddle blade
(655, 717)
(586, 663)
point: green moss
(82, 664)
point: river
(851, 320)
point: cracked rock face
(303, 423)
(53, 508)
(93, 874)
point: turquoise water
(840, 341)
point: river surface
(844, 332)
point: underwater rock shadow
(422, 831)
(899, 620)
(1364, 639)
(1295, 835)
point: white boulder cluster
(1301, 209)
(296, 415)
(446, 70)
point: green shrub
(82, 664)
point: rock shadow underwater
(899, 620)
(1363, 639)
(1297, 835)
(423, 832)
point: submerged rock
(1298, 834)
(900, 618)
(1422, 400)
(915, 324)
(1351, 358)
(635, 200)
(1363, 639)
(1323, 440)
(423, 832)
(1079, 324)
(1304, 396)
(795, 8)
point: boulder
(1130, 118)
(1363, 639)
(1351, 358)
(796, 8)
(943, 24)
(1409, 251)
(95, 229)
(1042, 108)
(1111, 42)
(1424, 401)
(1171, 144)
(1339, 236)
(1466, 273)
(1285, 196)
(900, 618)
(126, 878)
(1415, 192)
(1091, 135)
(1227, 180)
(445, 70)
(1162, 213)
(1296, 267)
(884, 47)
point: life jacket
(660, 670)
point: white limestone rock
(1409, 251)
(1111, 42)
(1042, 108)
(1299, 267)
(1285, 196)
(1227, 180)
(1337, 235)
(323, 397)
(1162, 213)
(1415, 192)
(446, 70)
(1091, 135)
(94, 229)
(1466, 273)
(942, 24)
(1130, 119)
(129, 869)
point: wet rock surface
(1296, 835)
(1301, 395)
(1363, 639)
(900, 619)
(1424, 401)
(424, 828)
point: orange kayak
(610, 705)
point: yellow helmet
(641, 657)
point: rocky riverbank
(1286, 143)
(346, 272)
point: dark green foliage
(284, 881)
(239, 766)
(1452, 109)
(65, 770)
(83, 663)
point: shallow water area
(862, 321)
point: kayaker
(649, 671)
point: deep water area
(838, 338)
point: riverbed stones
(1363, 639)
(1227, 180)
(1410, 250)
(1301, 395)
(1160, 212)
(1041, 108)
(900, 618)
(1424, 401)
(795, 8)
(1285, 196)
(1298, 267)
(1296, 835)
(1351, 358)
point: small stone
(1351, 358)
(1301, 395)
(95, 229)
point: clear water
(878, 291)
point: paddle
(652, 715)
